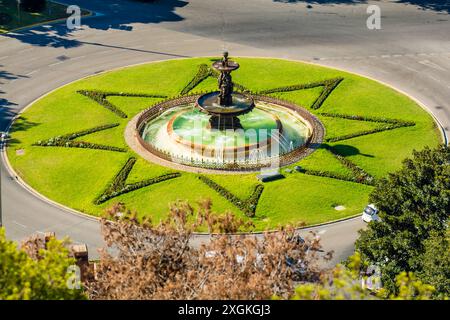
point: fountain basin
(241, 104)
(175, 133)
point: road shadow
(7, 110)
(345, 150)
(435, 5)
(118, 15)
(323, 2)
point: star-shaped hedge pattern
(118, 186)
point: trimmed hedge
(360, 175)
(118, 186)
(68, 140)
(368, 119)
(203, 72)
(248, 206)
(392, 124)
(332, 175)
(100, 98)
(329, 85)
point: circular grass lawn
(70, 145)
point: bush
(68, 140)
(101, 98)
(118, 186)
(247, 206)
(329, 86)
(203, 72)
(391, 124)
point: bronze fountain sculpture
(225, 105)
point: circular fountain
(224, 129)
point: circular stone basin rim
(241, 104)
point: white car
(370, 213)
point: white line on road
(19, 224)
(55, 64)
(432, 65)
(25, 50)
(104, 51)
(411, 69)
(433, 78)
(322, 231)
(4, 57)
(78, 58)
(32, 72)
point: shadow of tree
(323, 2)
(117, 15)
(345, 150)
(21, 124)
(7, 111)
(435, 5)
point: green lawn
(11, 18)
(75, 177)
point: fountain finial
(225, 59)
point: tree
(157, 261)
(344, 282)
(414, 204)
(44, 276)
(33, 5)
(435, 264)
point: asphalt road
(411, 52)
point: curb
(13, 173)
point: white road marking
(322, 231)
(78, 58)
(432, 65)
(25, 50)
(104, 51)
(19, 224)
(32, 72)
(434, 78)
(411, 69)
(55, 64)
(4, 57)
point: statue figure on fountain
(226, 89)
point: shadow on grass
(22, 124)
(118, 15)
(345, 150)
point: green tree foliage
(436, 264)
(345, 283)
(44, 277)
(414, 207)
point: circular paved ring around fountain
(200, 158)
